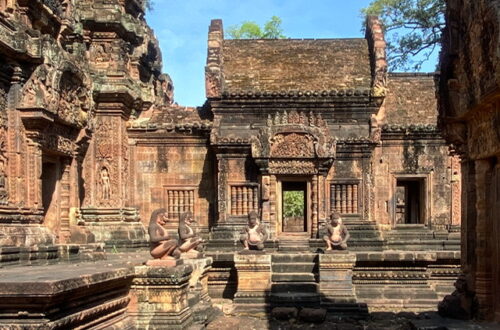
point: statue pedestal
(199, 276)
(159, 297)
(254, 282)
(335, 282)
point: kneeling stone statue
(337, 233)
(254, 234)
(162, 245)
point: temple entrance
(410, 197)
(52, 170)
(294, 206)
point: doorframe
(425, 196)
(279, 205)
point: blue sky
(181, 26)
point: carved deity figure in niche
(162, 246)
(254, 234)
(337, 233)
(105, 184)
(188, 239)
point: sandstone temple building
(91, 143)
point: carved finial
(311, 119)
(269, 120)
(277, 119)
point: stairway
(293, 244)
(294, 280)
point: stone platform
(389, 281)
(65, 295)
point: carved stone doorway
(293, 207)
(55, 193)
(410, 201)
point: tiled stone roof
(295, 64)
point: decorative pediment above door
(289, 140)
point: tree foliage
(148, 5)
(251, 30)
(293, 203)
(413, 29)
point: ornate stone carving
(292, 146)
(294, 135)
(59, 91)
(304, 167)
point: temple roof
(296, 64)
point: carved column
(314, 206)
(483, 280)
(34, 170)
(222, 168)
(273, 219)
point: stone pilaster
(335, 281)
(199, 276)
(254, 281)
(483, 280)
(159, 297)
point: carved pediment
(294, 135)
(294, 143)
(63, 93)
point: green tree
(293, 204)
(148, 5)
(251, 30)
(413, 29)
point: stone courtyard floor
(383, 321)
(375, 321)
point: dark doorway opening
(410, 201)
(49, 184)
(51, 199)
(294, 199)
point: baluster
(191, 201)
(256, 199)
(337, 197)
(176, 203)
(250, 198)
(233, 200)
(355, 198)
(170, 204)
(245, 200)
(349, 198)
(239, 201)
(343, 205)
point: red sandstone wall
(164, 168)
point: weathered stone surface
(469, 115)
(159, 297)
(312, 315)
(91, 142)
(284, 313)
(64, 296)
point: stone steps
(294, 267)
(295, 299)
(294, 280)
(299, 244)
(294, 287)
(293, 277)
